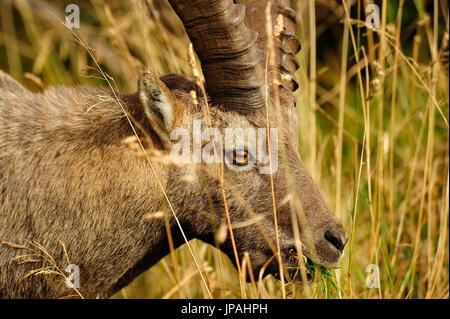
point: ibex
(69, 183)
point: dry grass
(373, 130)
(35, 254)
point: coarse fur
(68, 175)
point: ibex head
(235, 186)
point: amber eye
(240, 157)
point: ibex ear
(158, 103)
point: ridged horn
(227, 50)
(287, 44)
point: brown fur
(67, 176)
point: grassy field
(373, 130)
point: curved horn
(287, 44)
(227, 50)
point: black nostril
(334, 238)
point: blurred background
(373, 129)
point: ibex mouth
(299, 268)
(294, 274)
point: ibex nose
(338, 238)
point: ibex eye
(240, 157)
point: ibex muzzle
(74, 183)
